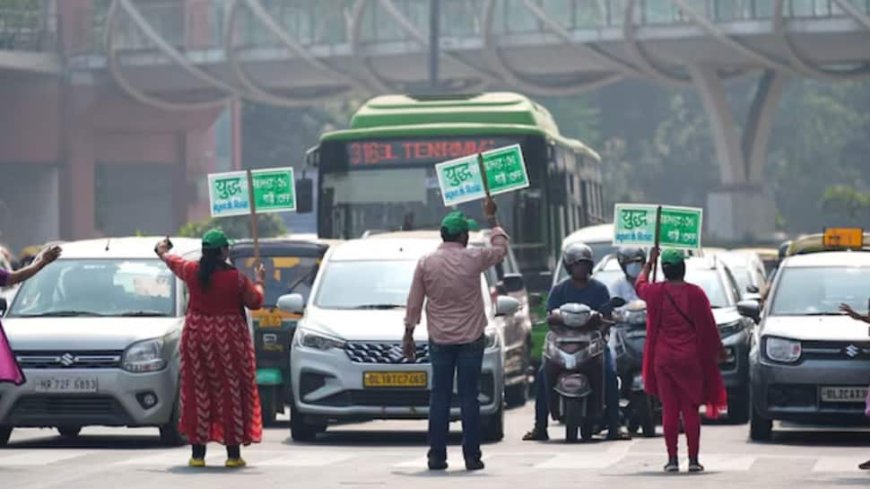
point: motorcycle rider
(579, 288)
(631, 259)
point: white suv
(346, 359)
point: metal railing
(199, 24)
(25, 29)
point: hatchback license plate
(844, 394)
(395, 379)
(66, 385)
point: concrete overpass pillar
(742, 208)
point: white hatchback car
(97, 335)
(346, 360)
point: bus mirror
(304, 196)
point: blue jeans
(611, 396)
(465, 361)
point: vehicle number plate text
(844, 394)
(395, 379)
(71, 384)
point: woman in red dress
(219, 400)
(681, 354)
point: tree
(847, 205)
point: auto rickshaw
(291, 266)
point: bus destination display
(419, 151)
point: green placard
(274, 191)
(460, 180)
(635, 224)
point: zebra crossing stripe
(307, 459)
(37, 457)
(838, 464)
(587, 460)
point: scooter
(629, 336)
(574, 365)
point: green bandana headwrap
(456, 223)
(215, 238)
(672, 257)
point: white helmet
(576, 253)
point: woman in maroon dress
(219, 401)
(9, 369)
(681, 354)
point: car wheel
(300, 430)
(170, 435)
(5, 434)
(760, 428)
(268, 405)
(492, 427)
(738, 406)
(69, 431)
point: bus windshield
(401, 199)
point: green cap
(457, 223)
(215, 238)
(671, 256)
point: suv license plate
(395, 379)
(844, 394)
(66, 385)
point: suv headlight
(144, 356)
(730, 329)
(316, 341)
(782, 350)
(492, 339)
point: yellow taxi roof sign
(848, 238)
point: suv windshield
(98, 288)
(820, 290)
(284, 275)
(365, 284)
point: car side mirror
(304, 196)
(750, 309)
(292, 303)
(4, 305)
(506, 306)
(752, 289)
(512, 282)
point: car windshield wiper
(379, 306)
(144, 314)
(829, 313)
(63, 314)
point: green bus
(379, 175)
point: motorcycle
(629, 335)
(574, 365)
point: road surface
(387, 454)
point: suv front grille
(69, 359)
(383, 353)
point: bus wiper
(379, 306)
(143, 314)
(63, 314)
